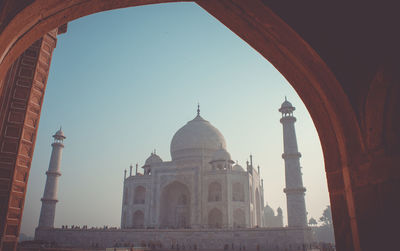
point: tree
(312, 222)
(326, 217)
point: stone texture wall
(210, 239)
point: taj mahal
(200, 198)
(200, 187)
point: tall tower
(49, 199)
(296, 206)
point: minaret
(296, 206)
(49, 199)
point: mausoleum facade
(201, 187)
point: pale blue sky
(123, 82)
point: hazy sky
(123, 82)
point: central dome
(196, 137)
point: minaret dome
(59, 136)
(287, 108)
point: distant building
(272, 220)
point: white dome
(196, 136)
(221, 154)
(237, 167)
(154, 158)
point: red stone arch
(28, 30)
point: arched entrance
(237, 192)
(138, 219)
(175, 206)
(140, 195)
(214, 191)
(215, 219)
(358, 163)
(239, 219)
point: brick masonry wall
(22, 99)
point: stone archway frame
(239, 215)
(139, 190)
(213, 211)
(191, 204)
(261, 28)
(218, 183)
(138, 213)
(238, 189)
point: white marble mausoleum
(200, 187)
(199, 200)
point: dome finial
(287, 108)
(198, 108)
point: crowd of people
(241, 247)
(84, 227)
